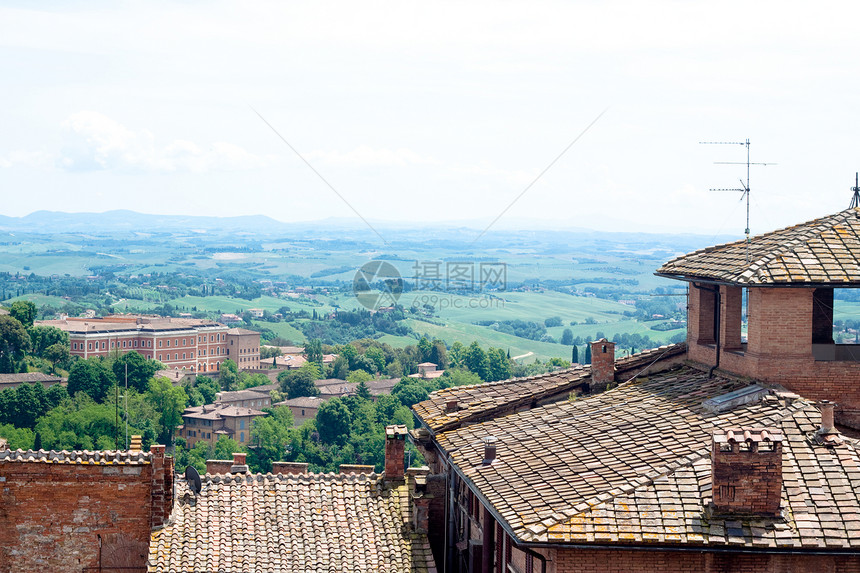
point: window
(192, 355)
(159, 343)
(241, 424)
(183, 342)
(135, 343)
(168, 343)
(103, 344)
(303, 412)
(123, 343)
(90, 346)
(176, 342)
(183, 356)
(241, 436)
(160, 357)
(112, 344)
(176, 356)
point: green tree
(24, 312)
(14, 343)
(333, 422)
(476, 361)
(225, 448)
(574, 355)
(91, 376)
(340, 367)
(208, 388)
(43, 337)
(297, 383)
(587, 353)
(270, 436)
(376, 355)
(358, 376)
(459, 377)
(169, 401)
(362, 391)
(439, 354)
(229, 375)
(394, 369)
(410, 391)
(59, 356)
(425, 348)
(313, 351)
(500, 367)
(140, 370)
(567, 337)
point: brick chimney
(395, 445)
(239, 466)
(421, 498)
(602, 364)
(289, 468)
(162, 486)
(355, 469)
(746, 471)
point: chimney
(289, 468)
(826, 409)
(355, 469)
(161, 502)
(489, 450)
(451, 405)
(746, 471)
(216, 467)
(395, 444)
(602, 364)
(239, 466)
(421, 498)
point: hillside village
(731, 451)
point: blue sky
(431, 112)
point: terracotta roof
(821, 502)
(303, 402)
(240, 395)
(217, 411)
(483, 400)
(297, 523)
(85, 457)
(241, 331)
(28, 377)
(596, 469)
(825, 250)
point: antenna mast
(745, 185)
(855, 200)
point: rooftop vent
(826, 409)
(726, 402)
(489, 450)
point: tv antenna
(745, 185)
(855, 200)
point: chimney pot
(826, 408)
(489, 450)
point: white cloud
(96, 142)
(365, 156)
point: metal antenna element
(745, 185)
(855, 200)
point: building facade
(180, 343)
(210, 422)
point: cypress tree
(574, 356)
(588, 354)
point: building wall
(302, 414)
(64, 517)
(244, 350)
(624, 561)
(779, 349)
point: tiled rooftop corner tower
(789, 277)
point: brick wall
(607, 561)
(64, 517)
(779, 348)
(746, 475)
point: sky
(443, 112)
